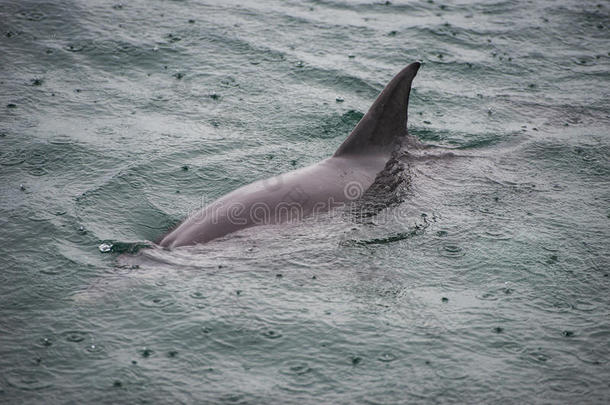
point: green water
(488, 283)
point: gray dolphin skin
(330, 183)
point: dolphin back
(386, 120)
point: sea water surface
(488, 282)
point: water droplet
(75, 336)
(93, 348)
(105, 247)
(387, 357)
(271, 334)
(197, 295)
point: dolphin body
(341, 178)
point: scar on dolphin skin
(342, 178)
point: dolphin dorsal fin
(386, 120)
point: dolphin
(334, 181)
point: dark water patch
(334, 126)
(109, 53)
(142, 219)
(457, 36)
(337, 80)
(455, 139)
(257, 52)
(59, 266)
(586, 159)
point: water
(488, 282)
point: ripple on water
(387, 357)
(30, 380)
(105, 130)
(591, 356)
(537, 355)
(95, 350)
(497, 234)
(145, 352)
(61, 140)
(300, 375)
(271, 334)
(37, 158)
(77, 46)
(567, 385)
(200, 299)
(129, 49)
(512, 347)
(161, 301)
(451, 251)
(37, 171)
(12, 158)
(31, 15)
(448, 372)
(74, 336)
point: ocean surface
(488, 282)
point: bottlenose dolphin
(341, 178)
